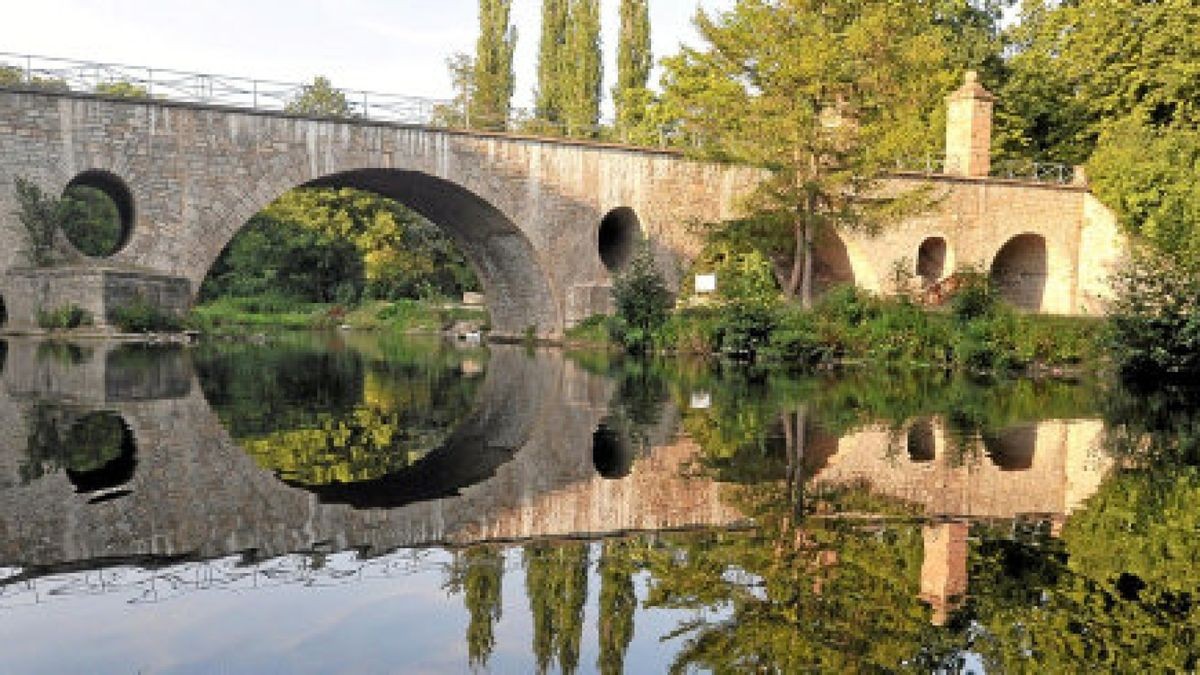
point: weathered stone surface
(100, 291)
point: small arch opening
(100, 453)
(921, 444)
(612, 451)
(831, 263)
(1019, 272)
(99, 213)
(618, 237)
(932, 261)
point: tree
(618, 604)
(551, 67)
(583, 69)
(493, 81)
(320, 99)
(42, 216)
(478, 575)
(634, 59)
(642, 299)
(823, 95)
(122, 89)
(462, 78)
(556, 583)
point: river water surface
(350, 503)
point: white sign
(701, 400)
(706, 283)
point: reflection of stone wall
(1067, 467)
(196, 493)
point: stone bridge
(545, 222)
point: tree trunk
(796, 280)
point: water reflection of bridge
(521, 466)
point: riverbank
(851, 327)
(239, 316)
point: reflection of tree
(618, 603)
(556, 582)
(478, 574)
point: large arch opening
(452, 242)
(1019, 272)
(618, 236)
(831, 263)
(99, 213)
(1012, 449)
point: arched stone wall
(1020, 271)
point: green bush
(1154, 329)
(64, 318)
(142, 316)
(643, 302)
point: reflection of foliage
(618, 603)
(318, 417)
(88, 444)
(556, 583)
(477, 574)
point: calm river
(360, 504)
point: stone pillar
(944, 570)
(969, 129)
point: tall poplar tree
(494, 80)
(583, 69)
(634, 60)
(551, 61)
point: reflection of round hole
(1012, 449)
(100, 213)
(921, 446)
(99, 453)
(612, 453)
(619, 233)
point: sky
(387, 46)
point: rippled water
(350, 503)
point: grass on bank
(241, 315)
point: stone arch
(617, 238)
(935, 260)
(1019, 271)
(832, 265)
(516, 288)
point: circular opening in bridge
(99, 452)
(619, 234)
(931, 261)
(612, 452)
(99, 213)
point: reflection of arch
(1012, 449)
(1019, 271)
(515, 285)
(612, 451)
(933, 261)
(922, 445)
(100, 452)
(618, 237)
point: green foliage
(1154, 327)
(493, 80)
(582, 69)
(91, 221)
(461, 68)
(122, 89)
(67, 317)
(477, 574)
(1148, 176)
(42, 216)
(13, 76)
(556, 582)
(142, 316)
(320, 99)
(552, 62)
(642, 299)
(631, 95)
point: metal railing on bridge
(23, 71)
